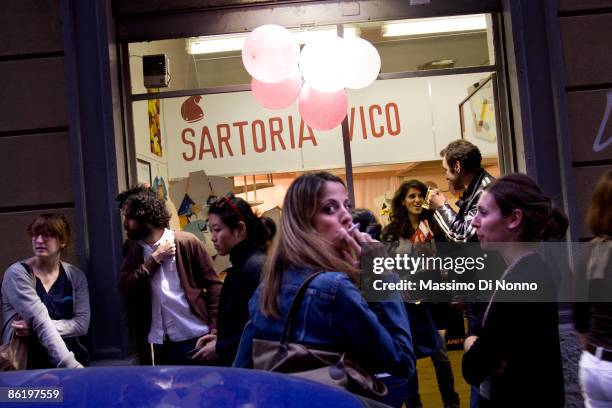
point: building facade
(67, 118)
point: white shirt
(170, 313)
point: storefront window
(193, 147)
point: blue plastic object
(136, 386)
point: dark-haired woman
(367, 222)
(408, 216)
(46, 300)
(516, 359)
(237, 231)
(315, 236)
(593, 310)
(411, 230)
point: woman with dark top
(237, 231)
(367, 222)
(407, 214)
(46, 300)
(270, 226)
(516, 359)
(315, 235)
(593, 307)
(411, 231)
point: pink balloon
(270, 54)
(277, 95)
(320, 110)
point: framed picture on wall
(478, 115)
(143, 172)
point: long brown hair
(400, 225)
(298, 243)
(600, 216)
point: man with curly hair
(170, 287)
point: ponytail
(541, 218)
(556, 226)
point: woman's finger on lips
(350, 242)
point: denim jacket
(334, 316)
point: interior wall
(369, 187)
(180, 65)
(183, 76)
(222, 69)
(159, 165)
(467, 50)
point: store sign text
(282, 133)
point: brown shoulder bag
(14, 354)
(326, 367)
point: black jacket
(458, 226)
(240, 283)
(518, 348)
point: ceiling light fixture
(474, 22)
(234, 42)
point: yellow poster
(153, 107)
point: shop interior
(191, 139)
(185, 159)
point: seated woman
(314, 237)
(412, 230)
(46, 299)
(237, 231)
(516, 359)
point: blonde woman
(315, 236)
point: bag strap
(295, 305)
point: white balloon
(322, 64)
(270, 54)
(363, 62)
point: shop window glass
(200, 146)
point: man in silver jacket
(462, 163)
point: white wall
(428, 110)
